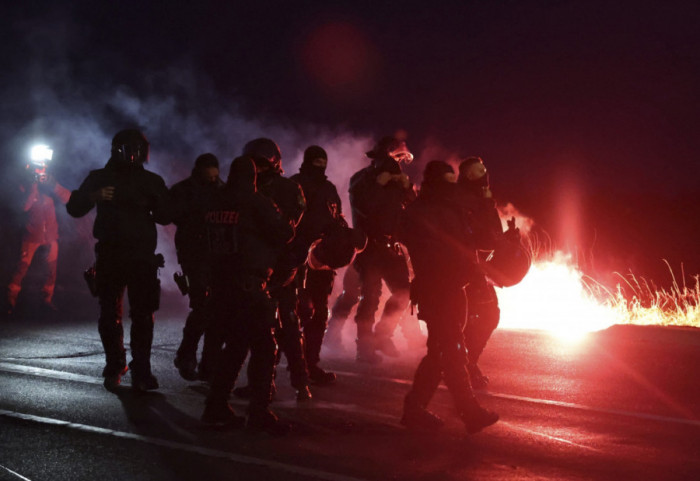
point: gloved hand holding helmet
(336, 249)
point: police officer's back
(247, 233)
(191, 197)
(289, 197)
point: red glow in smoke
(555, 296)
(340, 59)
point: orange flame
(555, 296)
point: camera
(39, 157)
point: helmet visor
(133, 153)
(401, 154)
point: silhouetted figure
(483, 311)
(289, 198)
(191, 197)
(378, 195)
(130, 201)
(436, 231)
(247, 233)
(323, 214)
(39, 196)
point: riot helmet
(265, 153)
(508, 264)
(392, 148)
(438, 171)
(130, 147)
(473, 174)
(336, 249)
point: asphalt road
(623, 404)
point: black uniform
(126, 241)
(246, 234)
(375, 211)
(483, 313)
(289, 198)
(439, 241)
(323, 213)
(192, 197)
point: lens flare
(40, 154)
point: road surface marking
(563, 404)
(19, 476)
(212, 453)
(553, 438)
(582, 407)
(38, 371)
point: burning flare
(555, 296)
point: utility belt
(114, 252)
(91, 273)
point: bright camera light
(41, 153)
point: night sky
(587, 114)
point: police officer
(191, 197)
(39, 196)
(323, 213)
(438, 236)
(130, 201)
(484, 313)
(378, 195)
(289, 198)
(247, 234)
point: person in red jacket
(40, 230)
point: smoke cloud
(508, 211)
(177, 108)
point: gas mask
(401, 154)
(474, 177)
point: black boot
(112, 336)
(218, 412)
(476, 418)
(320, 377)
(477, 378)
(303, 393)
(418, 418)
(113, 378)
(262, 419)
(186, 366)
(142, 379)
